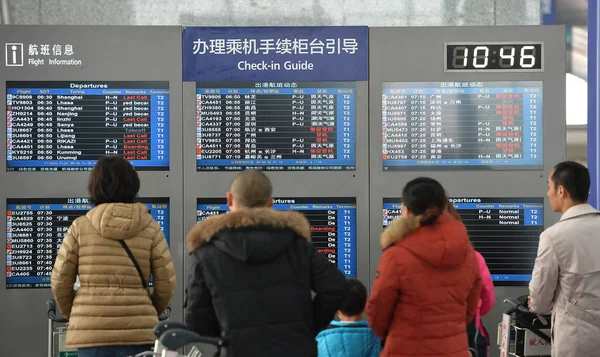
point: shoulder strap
(137, 266)
(472, 333)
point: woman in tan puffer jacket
(112, 314)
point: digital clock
(494, 57)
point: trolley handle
(164, 326)
(176, 338)
(514, 305)
(51, 308)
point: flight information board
(68, 126)
(504, 230)
(276, 126)
(35, 228)
(462, 125)
(332, 223)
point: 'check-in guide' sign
(275, 53)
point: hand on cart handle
(51, 308)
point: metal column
(593, 100)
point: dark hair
(425, 197)
(453, 212)
(574, 177)
(113, 179)
(356, 298)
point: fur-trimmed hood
(398, 229)
(444, 244)
(250, 233)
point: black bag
(478, 344)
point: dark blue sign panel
(332, 223)
(504, 230)
(36, 227)
(309, 53)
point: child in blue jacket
(351, 336)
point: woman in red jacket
(428, 283)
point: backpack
(478, 344)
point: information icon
(14, 54)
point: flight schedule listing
(276, 126)
(504, 230)
(68, 126)
(36, 227)
(467, 125)
(332, 224)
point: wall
(276, 12)
(577, 143)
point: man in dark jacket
(251, 276)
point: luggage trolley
(57, 332)
(523, 333)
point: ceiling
(572, 12)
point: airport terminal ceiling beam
(5, 12)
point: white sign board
(505, 341)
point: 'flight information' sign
(276, 53)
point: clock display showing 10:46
(497, 57)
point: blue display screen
(332, 221)
(283, 126)
(68, 126)
(35, 229)
(504, 230)
(462, 125)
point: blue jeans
(113, 351)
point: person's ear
(405, 211)
(230, 200)
(270, 202)
(561, 191)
